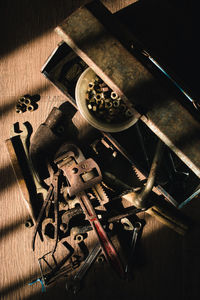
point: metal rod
(189, 199)
(152, 174)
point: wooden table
(168, 265)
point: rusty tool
(52, 196)
(31, 189)
(74, 283)
(71, 161)
(57, 270)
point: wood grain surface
(168, 265)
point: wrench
(71, 162)
(24, 138)
(75, 283)
(18, 152)
(136, 230)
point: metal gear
(140, 176)
(101, 196)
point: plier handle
(52, 197)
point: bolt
(63, 227)
(20, 108)
(29, 223)
(30, 107)
(98, 97)
(79, 238)
(19, 111)
(74, 170)
(22, 100)
(100, 259)
(113, 95)
(108, 104)
(116, 103)
(27, 101)
(90, 86)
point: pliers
(52, 197)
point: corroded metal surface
(125, 74)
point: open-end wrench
(19, 160)
(18, 151)
(24, 138)
(136, 230)
(74, 284)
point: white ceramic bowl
(80, 94)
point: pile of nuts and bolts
(25, 103)
(105, 104)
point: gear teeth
(104, 185)
(139, 174)
(100, 194)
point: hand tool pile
(94, 188)
(76, 193)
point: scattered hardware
(89, 196)
(102, 107)
(86, 194)
(105, 104)
(27, 103)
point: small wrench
(136, 230)
(74, 283)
